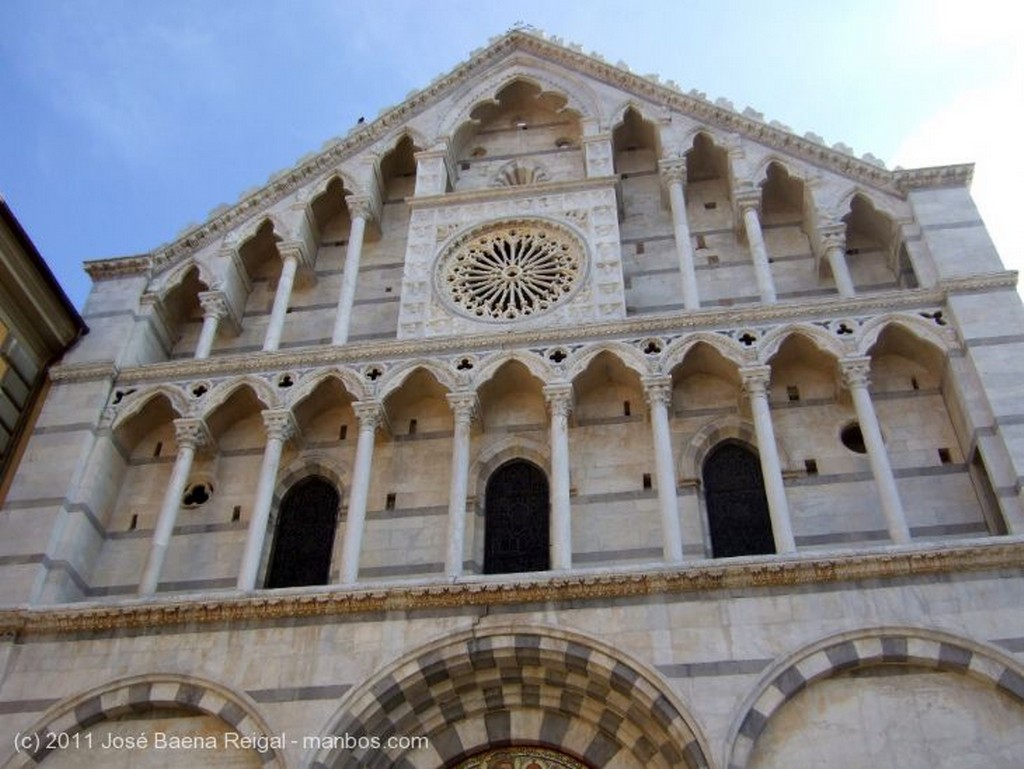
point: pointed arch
(308, 463)
(725, 346)
(607, 700)
(319, 187)
(628, 355)
(648, 112)
(860, 649)
(940, 338)
(819, 337)
(397, 376)
(760, 173)
(579, 97)
(389, 143)
(241, 236)
(721, 141)
(534, 363)
(348, 379)
(259, 387)
(879, 203)
(499, 452)
(175, 396)
(189, 693)
(162, 285)
(713, 432)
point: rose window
(512, 271)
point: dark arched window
(516, 519)
(737, 507)
(305, 534)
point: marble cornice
(935, 176)
(706, 577)
(710, 319)
(99, 269)
(84, 372)
(324, 162)
(487, 194)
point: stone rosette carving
(510, 270)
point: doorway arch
(737, 508)
(516, 516)
(304, 537)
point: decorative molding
(935, 176)
(720, 114)
(714, 575)
(711, 319)
(84, 372)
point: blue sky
(122, 122)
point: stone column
(659, 396)
(370, 415)
(191, 435)
(280, 426)
(755, 382)
(673, 173)
(290, 263)
(359, 209)
(749, 206)
(833, 241)
(856, 373)
(559, 398)
(215, 308)
(463, 408)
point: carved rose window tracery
(511, 271)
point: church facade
(555, 419)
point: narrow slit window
(134, 522)
(945, 456)
(236, 514)
(158, 448)
(343, 433)
(412, 427)
(389, 502)
(647, 480)
(793, 393)
(625, 408)
(811, 466)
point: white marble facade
(539, 260)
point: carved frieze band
(951, 558)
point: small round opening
(196, 494)
(853, 439)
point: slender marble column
(673, 173)
(856, 375)
(559, 398)
(834, 242)
(215, 308)
(758, 251)
(370, 415)
(290, 259)
(191, 435)
(659, 396)
(463, 408)
(280, 426)
(359, 208)
(755, 382)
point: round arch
(859, 649)
(466, 692)
(155, 690)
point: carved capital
(672, 170)
(658, 390)
(856, 372)
(280, 424)
(559, 399)
(755, 379)
(833, 236)
(293, 249)
(746, 200)
(361, 206)
(214, 304)
(463, 405)
(370, 415)
(192, 432)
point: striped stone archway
(832, 656)
(509, 686)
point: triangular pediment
(550, 63)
